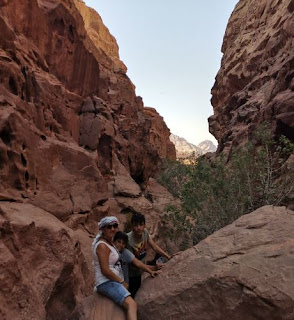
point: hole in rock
(23, 160)
(71, 35)
(138, 177)
(5, 136)
(2, 159)
(135, 173)
(149, 197)
(27, 176)
(12, 85)
(13, 56)
(101, 202)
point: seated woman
(109, 279)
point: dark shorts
(114, 290)
(134, 285)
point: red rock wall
(65, 96)
(255, 82)
(76, 143)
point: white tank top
(114, 264)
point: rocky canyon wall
(76, 143)
(255, 81)
(245, 270)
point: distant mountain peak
(185, 149)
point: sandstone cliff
(255, 82)
(76, 143)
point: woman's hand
(126, 285)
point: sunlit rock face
(59, 87)
(76, 144)
(243, 271)
(185, 149)
(255, 82)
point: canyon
(77, 144)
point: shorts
(114, 290)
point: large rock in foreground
(98, 307)
(43, 270)
(244, 271)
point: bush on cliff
(215, 193)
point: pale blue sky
(172, 50)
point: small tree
(215, 193)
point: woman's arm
(103, 256)
(158, 250)
(145, 267)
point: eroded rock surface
(76, 144)
(43, 270)
(244, 271)
(255, 82)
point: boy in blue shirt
(120, 241)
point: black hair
(121, 236)
(138, 218)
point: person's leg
(131, 306)
(134, 285)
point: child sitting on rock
(120, 241)
(138, 239)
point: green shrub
(215, 193)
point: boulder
(243, 271)
(98, 307)
(43, 271)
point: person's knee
(130, 303)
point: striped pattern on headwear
(106, 221)
(103, 223)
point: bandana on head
(103, 223)
(106, 221)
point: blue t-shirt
(126, 257)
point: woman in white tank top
(109, 279)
